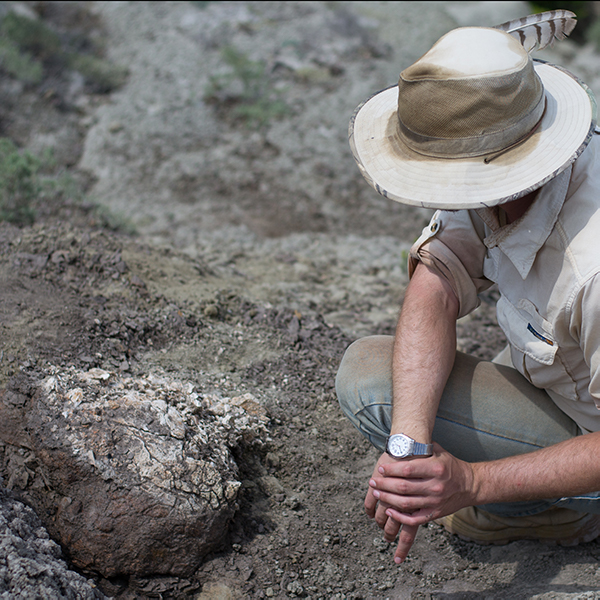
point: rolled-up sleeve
(452, 246)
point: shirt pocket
(534, 348)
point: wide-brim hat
(427, 141)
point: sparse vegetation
(29, 183)
(30, 49)
(19, 184)
(19, 64)
(105, 76)
(39, 51)
(246, 93)
(108, 219)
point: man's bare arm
(414, 492)
(424, 351)
(569, 468)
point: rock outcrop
(131, 476)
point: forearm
(565, 469)
(424, 351)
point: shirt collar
(520, 241)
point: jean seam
(364, 407)
(490, 433)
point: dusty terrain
(248, 255)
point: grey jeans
(487, 411)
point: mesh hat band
(474, 116)
(469, 147)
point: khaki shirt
(546, 266)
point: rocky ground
(214, 230)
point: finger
(381, 517)
(408, 533)
(419, 517)
(402, 503)
(391, 529)
(370, 500)
(370, 503)
(417, 468)
(398, 485)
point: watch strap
(422, 449)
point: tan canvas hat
(474, 122)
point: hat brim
(400, 174)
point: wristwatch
(402, 446)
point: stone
(270, 485)
(134, 476)
(217, 591)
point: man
(509, 449)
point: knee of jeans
(356, 379)
(346, 381)
(345, 387)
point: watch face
(399, 445)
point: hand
(423, 489)
(379, 510)
(413, 492)
(376, 509)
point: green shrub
(19, 64)
(247, 92)
(19, 184)
(27, 46)
(593, 34)
(30, 35)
